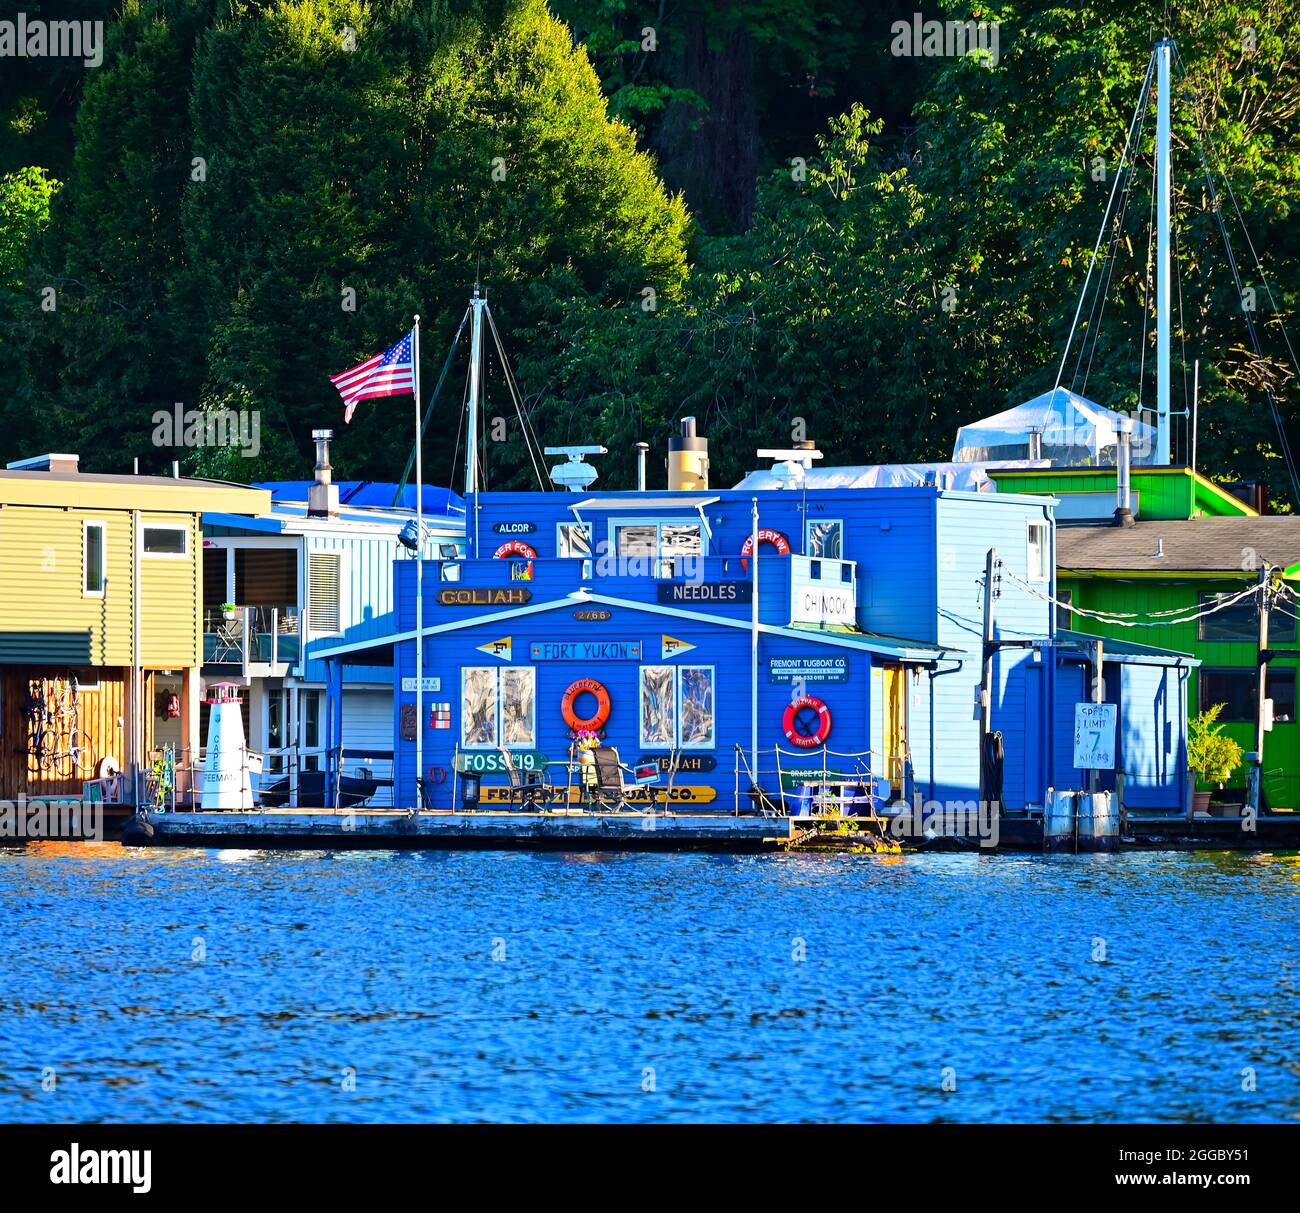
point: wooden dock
(451, 830)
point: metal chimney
(1124, 472)
(1035, 443)
(323, 496)
(642, 448)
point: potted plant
(229, 610)
(1211, 754)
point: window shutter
(323, 592)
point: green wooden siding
(1143, 598)
(1173, 493)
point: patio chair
(611, 789)
(528, 789)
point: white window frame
(1045, 575)
(591, 539)
(103, 556)
(162, 526)
(676, 742)
(658, 522)
(498, 671)
(808, 525)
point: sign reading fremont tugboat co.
(586, 650)
(706, 591)
(484, 596)
(808, 669)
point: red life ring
(515, 547)
(807, 741)
(775, 538)
(589, 723)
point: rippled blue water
(206, 985)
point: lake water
(368, 986)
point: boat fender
(807, 741)
(516, 547)
(138, 831)
(765, 535)
(591, 723)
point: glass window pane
(636, 540)
(478, 717)
(678, 539)
(1235, 689)
(574, 540)
(94, 559)
(517, 703)
(826, 540)
(697, 706)
(165, 540)
(658, 707)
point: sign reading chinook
(484, 596)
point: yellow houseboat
(100, 634)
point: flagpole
(419, 581)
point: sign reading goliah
(484, 596)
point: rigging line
(460, 429)
(1146, 81)
(1245, 231)
(1117, 232)
(513, 388)
(1146, 305)
(428, 412)
(1182, 338)
(1216, 206)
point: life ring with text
(794, 735)
(775, 538)
(591, 723)
(515, 547)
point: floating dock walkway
(448, 830)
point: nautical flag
(388, 374)
(497, 648)
(671, 647)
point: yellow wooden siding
(42, 585)
(169, 599)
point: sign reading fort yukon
(484, 596)
(586, 650)
(707, 591)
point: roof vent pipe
(1124, 472)
(323, 495)
(1035, 442)
(642, 448)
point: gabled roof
(885, 646)
(1230, 546)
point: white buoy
(226, 784)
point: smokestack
(688, 459)
(323, 496)
(1124, 473)
(642, 448)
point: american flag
(388, 374)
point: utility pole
(986, 673)
(1262, 713)
(1164, 243)
(1098, 696)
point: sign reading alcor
(484, 596)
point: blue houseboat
(778, 637)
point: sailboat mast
(1164, 196)
(476, 303)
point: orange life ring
(765, 535)
(807, 741)
(515, 547)
(589, 723)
